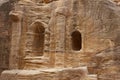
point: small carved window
(76, 41)
(38, 43)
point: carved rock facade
(50, 38)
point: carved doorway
(76, 40)
(38, 41)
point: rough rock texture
(93, 21)
(5, 33)
(49, 74)
(107, 64)
(66, 33)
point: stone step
(92, 77)
(36, 62)
(36, 58)
(79, 73)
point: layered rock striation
(63, 34)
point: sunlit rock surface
(62, 36)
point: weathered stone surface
(5, 33)
(107, 63)
(79, 73)
(54, 34)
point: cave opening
(38, 42)
(76, 41)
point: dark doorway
(76, 41)
(38, 43)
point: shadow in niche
(1, 70)
(38, 42)
(76, 41)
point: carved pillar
(52, 25)
(61, 17)
(60, 41)
(15, 42)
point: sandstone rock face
(47, 74)
(107, 64)
(5, 33)
(50, 34)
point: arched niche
(76, 41)
(38, 39)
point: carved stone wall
(63, 19)
(63, 34)
(5, 33)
